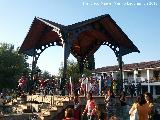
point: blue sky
(141, 23)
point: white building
(146, 73)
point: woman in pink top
(91, 108)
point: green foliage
(12, 65)
(91, 62)
(46, 75)
(73, 71)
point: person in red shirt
(42, 83)
(91, 108)
(22, 83)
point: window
(129, 74)
(156, 74)
(157, 90)
(139, 74)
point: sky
(139, 19)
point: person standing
(91, 108)
(84, 82)
(123, 103)
(139, 88)
(77, 106)
(22, 83)
(142, 107)
(114, 86)
(109, 81)
(132, 90)
(149, 98)
(122, 99)
(110, 104)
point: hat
(83, 75)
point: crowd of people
(39, 85)
(133, 89)
(144, 106)
(93, 86)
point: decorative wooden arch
(80, 39)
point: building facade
(145, 73)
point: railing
(53, 101)
(138, 79)
(154, 79)
(141, 79)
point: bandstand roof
(86, 36)
(101, 30)
(40, 33)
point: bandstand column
(67, 45)
(63, 80)
(34, 62)
(148, 78)
(121, 75)
(112, 73)
(123, 81)
(135, 76)
(100, 87)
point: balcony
(141, 79)
(154, 79)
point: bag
(134, 115)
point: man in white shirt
(84, 83)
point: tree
(46, 75)
(73, 71)
(12, 65)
